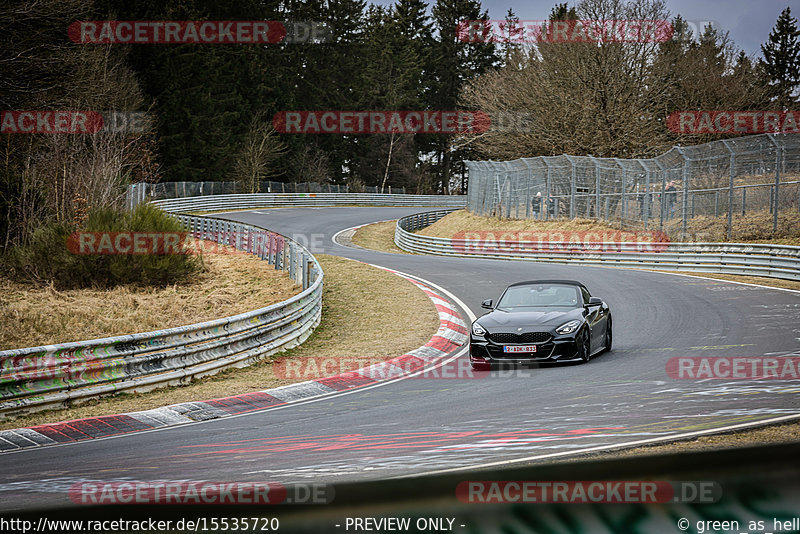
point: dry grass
(392, 317)
(378, 236)
(750, 228)
(464, 221)
(231, 284)
(753, 227)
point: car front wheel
(609, 336)
(584, 346)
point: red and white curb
(451, 335)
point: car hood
(501, 320)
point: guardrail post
(291, 262)
(272, 249)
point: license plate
(520, 348)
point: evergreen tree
(511, 48)
(782, 59)
(454, 63)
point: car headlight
(478, 330)
(568, 328)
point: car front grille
(526, 337)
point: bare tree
(608, 98)
(311, 164)
(261, 149)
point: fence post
(573, 187)
(623, 197)
(507, 182)
(597, 189)
(528, 189)
(685, 199)
(744, 199)
(778, 164)
(648, 195)
(546, 203)
(732, 166)
(663, 195)
(776, 188)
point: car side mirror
(487, 304)
(595, 301)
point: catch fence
(744, 175)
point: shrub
(46, 257)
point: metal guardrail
(144, 192)
(274, 200)
(52, 376)
(773, 261)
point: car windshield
(540, 296)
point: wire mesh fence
(143, 192)
(745, 175)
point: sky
(748, 21)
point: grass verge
(392, 317)
(378, 236)
(230, 284)
(755, 227)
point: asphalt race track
(426, 425)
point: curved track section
(413, 426)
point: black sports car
(541, 321)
